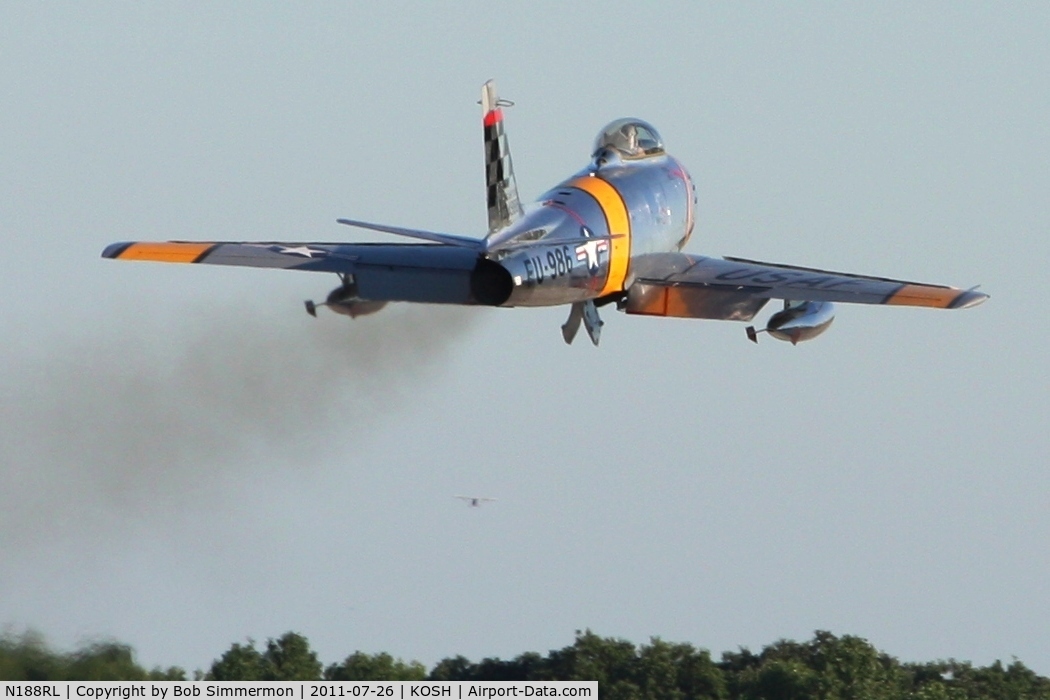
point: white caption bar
(302, 690)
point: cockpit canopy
(631, 138)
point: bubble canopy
(632, 138)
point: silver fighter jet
(610, 234)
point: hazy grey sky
(187, 459)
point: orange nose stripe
(619, 221)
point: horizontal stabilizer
(443, 238)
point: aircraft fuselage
(592, 225)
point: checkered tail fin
(502, 190)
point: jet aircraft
(612, 233)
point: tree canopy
(26, 658)
(288, 658)
(827, 667)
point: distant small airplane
(474, 501)
(611, 233)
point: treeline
(826, 667)
(27, 658)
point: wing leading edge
(694, 286)
(420, 272)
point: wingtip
(969, 299)
(113, 250)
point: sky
(188, 460)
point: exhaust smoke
(98, 431)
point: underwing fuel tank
(344, 300)
(801, 321)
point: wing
(677, 284)
(438, 274)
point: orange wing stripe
(615, 210)
(918, 295)
(165, 252)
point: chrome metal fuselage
(576, 243)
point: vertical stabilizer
(502, 190)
